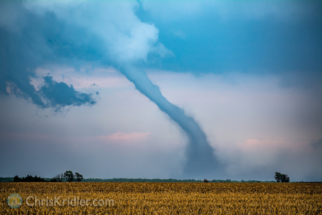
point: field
(163, 198)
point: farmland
(164, 198)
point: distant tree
(285, 178)
(279, 177)
(16, 179)
(69, 176)
(78, 176)
(58, 178)
(205, 180)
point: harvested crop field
(163, 198)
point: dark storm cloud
(251, 37)
(60, 94)
(29, 40)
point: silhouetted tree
(78, 176)
(279, 177)
(205, 180)
(59, 177)
(69, 176)
(285, 178)
(16, 179)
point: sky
(161, 89)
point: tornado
(200, 159)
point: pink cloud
(120, 136)
(264, 145)
(38, 137)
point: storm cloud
(28, 41)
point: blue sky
(160, 89)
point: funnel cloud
(200, 159)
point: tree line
(29, 178)
(67, 176)
(70, 177)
